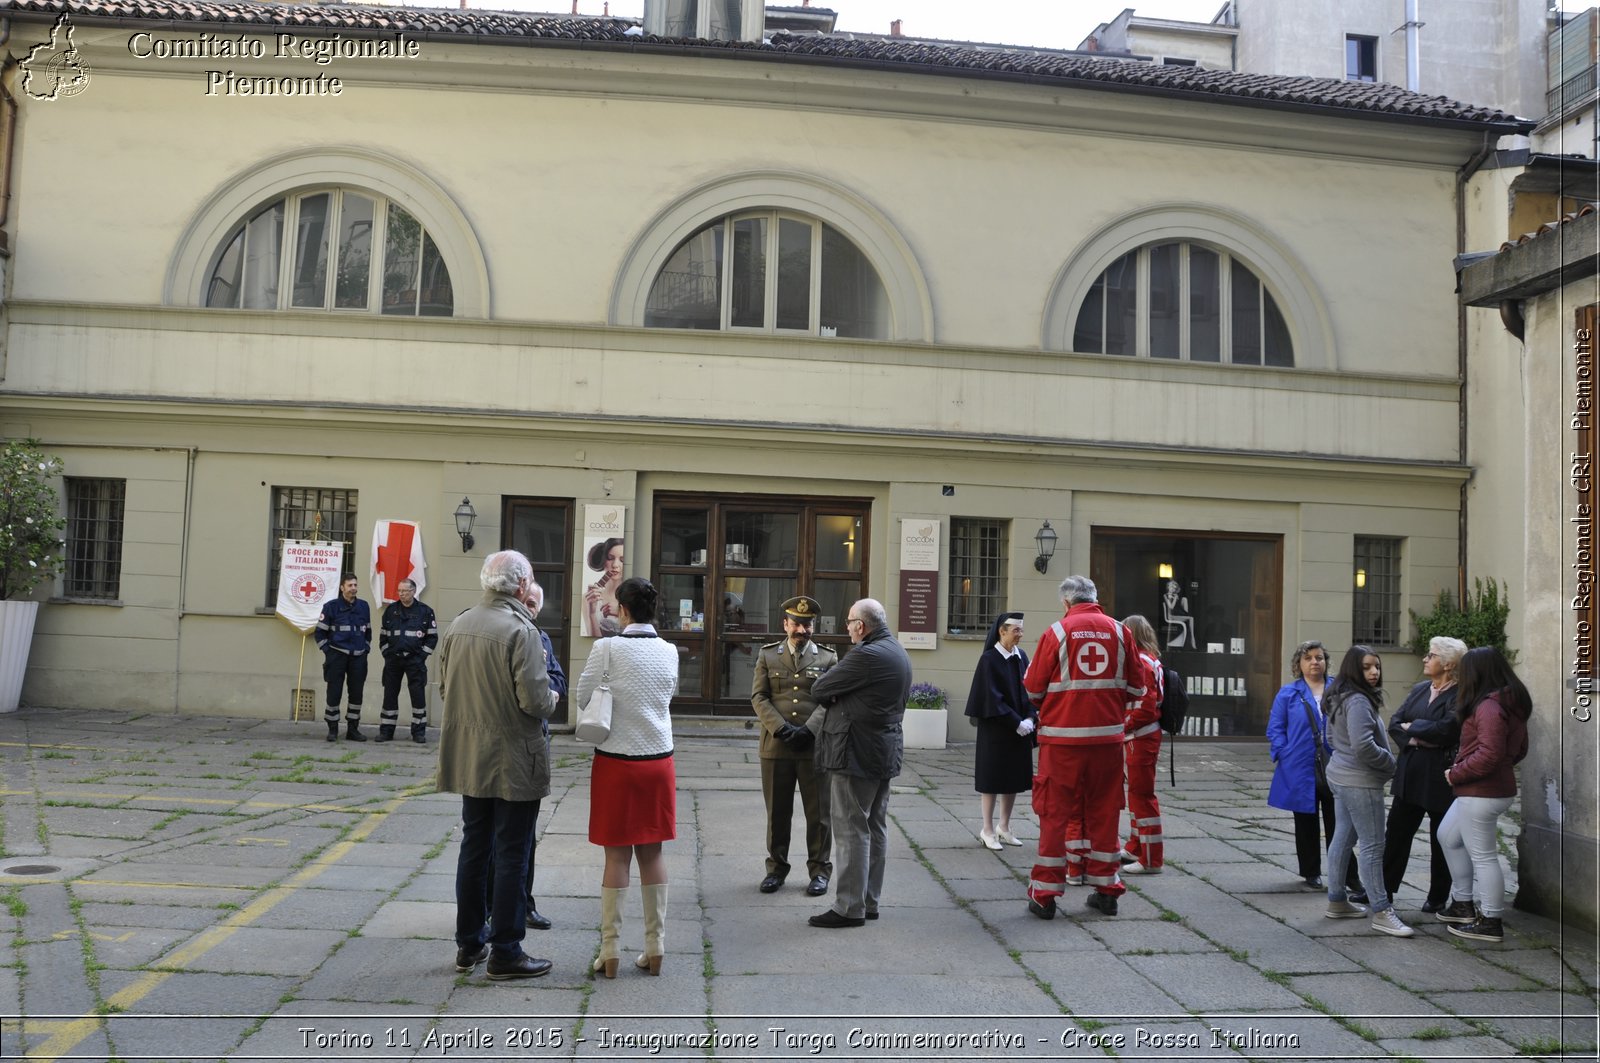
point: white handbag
(594, 719)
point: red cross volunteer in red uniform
(1083, 679)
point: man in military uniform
(406, 638)
(344, 635)
(782, 698)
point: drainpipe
(1463, 175)
(1413, 52)
(185, 538)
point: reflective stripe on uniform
(1148, 728)
(1081, 732)
(1102, 880)
(1051, 861)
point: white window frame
(1142, 292)
(769, 299)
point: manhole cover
(30, 869)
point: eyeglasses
(1426, 656)
(853, 620)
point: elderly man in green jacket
(492, 752)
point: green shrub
(1480, 621)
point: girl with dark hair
(600, 599)
(633, 799)
(1361, 764)
(1494, 708)
(1005, 720)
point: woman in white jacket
(633, 786)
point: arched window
(340, 249)
(770, 271)
(1183, 300)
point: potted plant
(30, 554)
(926, 717)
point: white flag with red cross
(308, 575)
(396, 555)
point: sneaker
(1483, 928)
(1386, 922)
(1136, 868)
(1457, 912)
(469, 956)
(1104, 903)
(1344, 910)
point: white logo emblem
(55, 70)
(1092, 660)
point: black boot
(333, 730)
(385, 732)
(419, 734)
(352, 731)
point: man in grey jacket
(860, 703)
(492, 752)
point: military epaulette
(772, 645)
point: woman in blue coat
(1295, 712)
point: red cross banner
(396, 555)
(308, 575)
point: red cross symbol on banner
(1092, 660)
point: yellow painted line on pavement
(74, 1032)
(250, 839)
(162, 885)
(81, 795)
(63, 935)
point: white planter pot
(16, 638)
(925, 728)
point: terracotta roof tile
(1550, 226)
(1083, 69)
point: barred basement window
(977, 573)
(295, 515)
(94, 538)
(1375, 619)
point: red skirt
(632, 802)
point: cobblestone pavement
(181, 888)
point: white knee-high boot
(655, 927)
(611, 901)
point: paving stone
(1449, 1048)
(258, 950)
(1123, 936)
(1423, 963)
(1215, 983)
(1106, 995)
(370, 969)
(1377, 1005)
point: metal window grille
(94, 538)
(294, 516)
(1375, 619)
(977, 573)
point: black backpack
(1174, 710)
(1174, 702)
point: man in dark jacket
(344, 635)
(860, 703)
(406, 638)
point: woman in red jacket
(1494, 707)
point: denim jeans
(502, 830)
(1467, 837)
(1358, 825)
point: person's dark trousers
(533, 849)
(490, 825)
(1404, 819)
(415, 672)
(1308, 847)
(779, 779)
(341, 670)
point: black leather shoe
(419, 735)
(771, 883)
(537, 921)
(1432, 906)
(1313, 884)
(818, 886)
(872, 915)
(1356, 896)
(1103, 902)
(468, 957)
(519, 966)
(333, 732)
(352, 732)
(832, 920)
(1047, 910)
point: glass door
(541, 529)
(725, 564)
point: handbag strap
(605, 663)
(1311, 719)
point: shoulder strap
(1311, 718)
